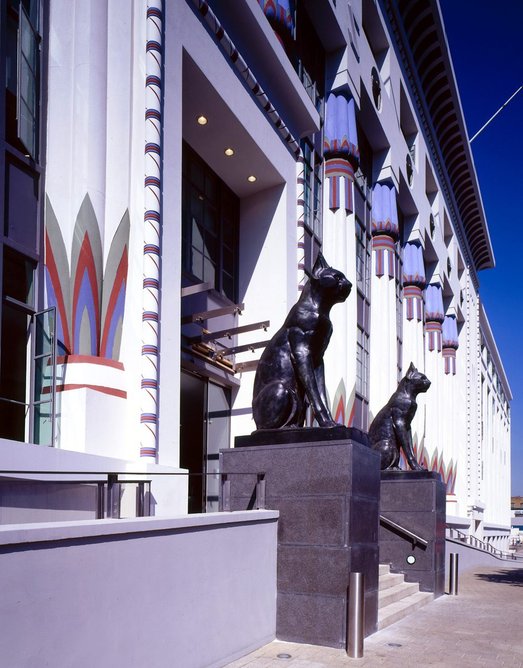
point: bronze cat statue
(290, 374)
(390, 430)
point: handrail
(479, 544)
(112, 481)
(384, 521)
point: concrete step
(400, 609)
(396, 593)
(384, 569)
(389, 580)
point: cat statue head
(331, 283)
(416, 381)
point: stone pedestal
(414, 500)
(327, 493)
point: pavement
(481, 626)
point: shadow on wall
(257, 213)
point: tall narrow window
(363, 271)
(27, 98)
(312, 203)
(210, 226)
(22, 75)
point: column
(413, 341)
(383, 335)
(341, 158)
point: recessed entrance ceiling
(223, 130)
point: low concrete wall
(195, 591)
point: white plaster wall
(138, 592)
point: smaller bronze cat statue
(390, 430)
(290, 373)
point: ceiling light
(202, 120)
(251, 178)
(229, 151)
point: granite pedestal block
(327, 493)
(414, 500)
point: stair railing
(403, 531)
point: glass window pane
(197, 236)
(26, 129)
(211, 219)
(228, 261)
(43, 424)
(197, 175)
(18, 276)
(209, 273)
(43, 378)
(44, 331)
(26, 98)
(27, 86)
(28, 42)
(197, 264)
(13, 370)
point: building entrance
(204, 429)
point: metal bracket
(199, 318)
(229, 333)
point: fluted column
(434, 316)
(383, 335)
(452, 408)
(413, 307)
(341, 159)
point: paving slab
(481, 626)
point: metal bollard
(453, 573)
(355, 615)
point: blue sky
(485, 40)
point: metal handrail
(384, 521)
(112, 481)
(479, 544)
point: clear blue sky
(485, 40)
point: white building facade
(195, 156)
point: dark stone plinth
(300, 435)
(327, 493)
(415, 500)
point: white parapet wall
(55, 465)
(192, 591)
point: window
(363, 272)
(22, 75)
(312, 203)
(362, 363)
(210, 226)
(399, 314)
(363, 259)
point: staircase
(397, 598)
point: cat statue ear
(319, 265)
(411, 369)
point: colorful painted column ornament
(340, 149)
(450, 343)
(281, 17)
(434, 315)
(413, 280)
(384, 229)
(152, 230)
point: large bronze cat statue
(290, 374)
(390, 430)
